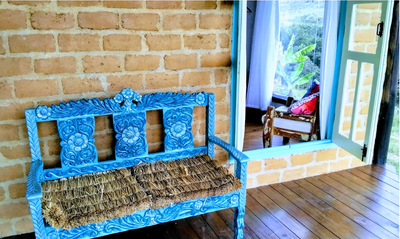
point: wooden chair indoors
(290, 126)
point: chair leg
(37, 218)
(285, 140)
(268, 130)
(239, 221)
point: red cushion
(305, 106)
(314, 88)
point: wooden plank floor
(357, 203)
(253, 138)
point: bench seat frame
(124, 105)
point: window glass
(301, 24)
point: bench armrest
(34, 189)
(235, 153)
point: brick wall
(291, 167)
(53, 51)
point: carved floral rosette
(178, 126)
(77, 141)
(130, 134)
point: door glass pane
(365, 18)
(367, 75)
(348, 97)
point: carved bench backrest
(76, 126)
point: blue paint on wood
(335, 85)
(75, 121)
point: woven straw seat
(93, 198)
(184, 179)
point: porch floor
(356, 203)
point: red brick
(300, 159)
(161, 81)
(140, 21)
(5, 90)
(215, 60)
(122, 42)
(98, 20)
(220, 92)
(103, 141)
(289, 175)
(365, 35)
(28, 2)
(2, 197)
(222, 126)
(79, 42)
(196, 78)
(47, 128)
(8, 173)
(215, 21)
(163, 42)
(118, 83)
(141, 62)
(54, 147)
(196, 5)
(179, 21)
(34, 88)
(254, 167)
(24, 226)
(78, 3)
(32, 43)
(180, 61)
(154, 117)
(74, 85)
(122, 4)
(221, 76)
(52, 20)
(57, 65)
(328, 154)
(154, 135)
(14, 111)
(8, 132)
(14, 66)
(200, 41)
(12, 19)
(271, 164)
(164, 4)
(265, 179)
(317, 169)
(100, 64)
(2, 49)
(224, 40)
(13, 210)
(17, 190)
(6, 229)
(222, 109)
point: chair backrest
(76, 125)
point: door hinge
(379, 29)
(364, 152)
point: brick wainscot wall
(53, 51)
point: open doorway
(298, 59)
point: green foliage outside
(291, 79)
(307, 30)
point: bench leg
(35, 206)
(241, 173)
(239, 222)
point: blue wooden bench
(124, 107)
